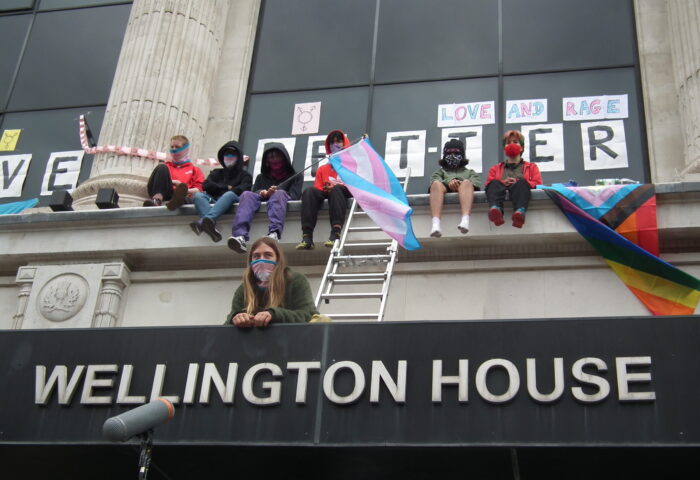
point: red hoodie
(186, 173)
(531, 173)
(326, 173)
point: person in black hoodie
(224, 186)
(277, 183)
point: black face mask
(453, 160)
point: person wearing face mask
(327, 185)
(277, 183)
(453, 176)
(270, 292)
(223, 186)
(177, 180)
(512, 175)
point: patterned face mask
(453, 160)
(181, 155)
(262, 269)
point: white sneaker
(273, 235)
(436, 233)
(463, 228)
(237, 244)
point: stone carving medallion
(62, 297)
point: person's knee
(466, 186)
(438, 187)
(279, 196)
(249, 196)
(230, 196)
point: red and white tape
(133, 151)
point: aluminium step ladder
(367, 256)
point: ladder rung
(351, 258)
(381, 275)
(364, 229)
(352, 316)
(368, 244)
(357, 280)
(353, 295)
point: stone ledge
(155, 239)
(135, 213)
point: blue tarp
(18, 207)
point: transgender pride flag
(376, 190)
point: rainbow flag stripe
(377, 191)
(661, 287)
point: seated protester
(176, 180)
(270, 291)
(223, 186)
(453, 176)
(513, 175)
(277, 183)
(328, 185)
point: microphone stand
(145, 453)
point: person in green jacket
(270, 291)
(453, 176)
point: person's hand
(327, 187)
(242, 320)
(262, 319)
(192, 192)
(263, 194)
(454, 184)
(176, 182)
(272, 190)
(509, 181)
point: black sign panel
(590, 382)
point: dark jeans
(160, 182)
(311, 201)
(519, 194)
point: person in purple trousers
(277, 183)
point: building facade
(410, 74)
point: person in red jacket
(328, 185)
(177, 180)
(513, 175)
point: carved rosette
(62, 297)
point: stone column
(162, 87)
(683, 18)
(25, 279)
(115, 278)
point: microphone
(138, 420)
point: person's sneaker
(209, 227)
(237, 244)
(196, 227)
(273, 235)
(153, 202)
(335, 235)
(518, 218)
(179, 196)
(435, 233)
(306, 243)
(496, 216)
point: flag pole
(313, 164)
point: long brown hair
(278, 280)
